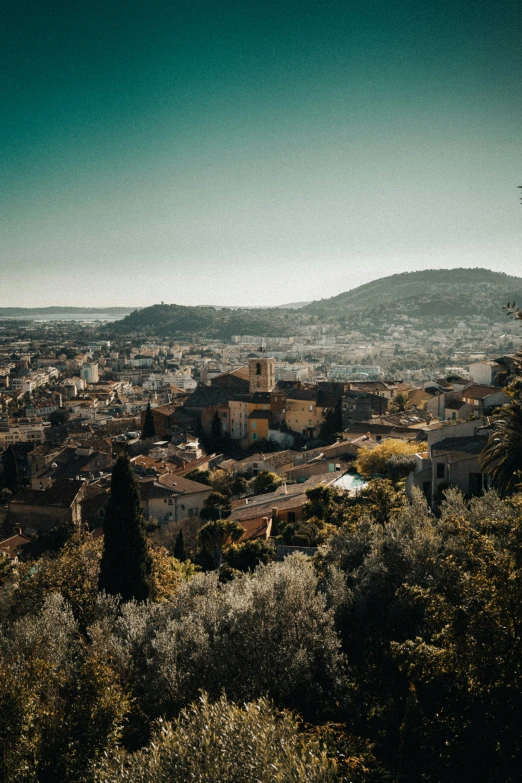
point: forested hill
(220, 323)
(433, 291)
(448, 293)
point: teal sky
(255, 152)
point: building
(452, 460)
(303, 414)
(261, 374)
(483, 399)
(485, 373)
(90, 373)
(21, 431)
(361, 406)
(169, 419)
(173, 498)
(40, 510)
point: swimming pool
(350, 482)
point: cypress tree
(179, 547)
(149, 429)
(126, 564)
(12, 478)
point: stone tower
(261, 375)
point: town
(300, 409)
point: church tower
(261, 375)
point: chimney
(274, 513)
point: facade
(258, 425)
(177, 498)
(261, 374)
(21, 431)
(361, 406)
(41, 510)
(303, 414)
(452, 460)
(90, 373)
(484, 373)
(483, 399)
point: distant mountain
(439, 292)
(451, 294)
(57, 310)
(292, 306)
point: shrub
(223, 743)
(376, 460)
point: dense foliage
(393, 655)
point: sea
(80, 317)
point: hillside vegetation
(448, 293)
(177, 320)
(436, 291)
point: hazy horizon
(108, 306)
(256, 154)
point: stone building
(261, 374)
(40, 510)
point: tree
(245, 557)
(376, 460)
(399, 403)
(58, 417)
(201, 476)
(12, 479)
(216, 506)
(501, 459)
(215, 534)
(179, 548)
(333, 422)
(265, 481)
(126, 564)
(149, 428)
(215, 431)
(222, 742)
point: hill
(212, 322)
(450, 294)
(437, 292)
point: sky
(253, 153)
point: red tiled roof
(255, 528)
(181, 485)
(12, 546)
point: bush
(223, 743)
(265, 633)
(376, 460)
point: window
(224, 415)
(441, 470)
(171, 502)
(258, 368)
(254, 436)
(310, 407)
(254, 425)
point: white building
(21, 432)
(90, 373)
(485, 372)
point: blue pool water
(350, 481)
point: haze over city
(254, 153)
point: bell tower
(261, 375)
